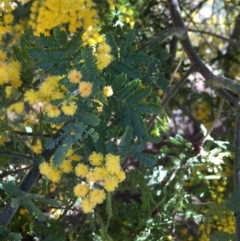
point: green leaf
(140, 129)
(73, 45)
(127, 69)
(222, 236)
(118, 82)
(139, 57)
(127, 42)
(60, 36)
(139, 95)
(88, 118)
(148, 108)
(112, 43)
(90, 63)
(49, 144)
(33, 209)
(112, 147)
(129, 89)
(11, 189)
(232, 203)
(146, 159)
(162, 82)
(126, 140)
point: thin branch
(28, 182)
(170, 95)
(219, 110)
(17, 155)
(231, 41)
(179, 84)
(237, 171)
(4, 174)
(213, 80)
(22, 133)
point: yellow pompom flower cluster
(202, 112)
(6, 19)
(103, 56)
(105, 171)
(9, 71)
(46, 15)
(54, 173)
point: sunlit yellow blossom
(110, 184)
(103, 60)
(16, 82)
(52, 111)
(75, 157)
(96, 159)
(8, 91)
(46, 89)
(66, 166)
(2, 56)
(97, 196)
(91, 177)
(45, 168)
(99, 173)
(74, 76)
(85, 89)
(100, 107)
(113, 163)
(69, 109)
(81, 170)
(16, 65)
(31, 96)
(37, 147)
(17, 107)
(81, 190)
(103, 48)
(120, 175)
(8, 18)
(54, 174)
(4, 73)
(3, 139)
(87, 206)
(108, 91)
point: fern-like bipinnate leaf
(222, 236)
(232, 203)
(73, 45)
(126, 69)
(88, 118)
(90, 63)
(33, 209)
(118, 82)
(11, 189)
(148, 108)
(128, 89)
(127, 42)
(140, 94)
(60, 36)
(126, 140)
(140, 129)
(146, 159)
(112, 43)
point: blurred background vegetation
(181, 197)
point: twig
(237, 172)
(4, 174)
(17, 155)
(170, 95)
(231, 41)
(220, 106)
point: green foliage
(222, 236)
(6, 235)
(232, 203)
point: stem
(237, 171)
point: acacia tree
(88, 120)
